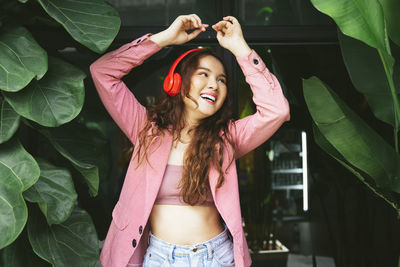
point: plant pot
(271, 258)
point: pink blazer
(126, 240)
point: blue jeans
(215, 252)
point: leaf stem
(396, 104)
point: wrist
(241, 49)
(161, 39)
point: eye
(205, 74)
(222, 80)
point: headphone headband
(173, 81)
(176, 62)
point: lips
(210, 98)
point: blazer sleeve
(272, 108)
(119, 101)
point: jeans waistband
(204, 247)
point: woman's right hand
(176, 33)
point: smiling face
(208, 88)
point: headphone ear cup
(176, 87)
(168, 83)
(173, 81)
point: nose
(212, 83)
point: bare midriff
(185, 225)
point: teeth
(209, 97)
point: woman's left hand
(230, 36)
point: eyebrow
(207, 69)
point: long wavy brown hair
(208, 138)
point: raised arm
(272, 106)
(108, 70)
(119, 101)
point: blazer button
(140, 229)
(134, 243)
(255, 61)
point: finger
(198, 20)
(190, 23)
(194, 22)
(194, 34)
(225, 27)
(219, 25)
(220, 33)
(232, 19)
(203, 27)
(185, 21)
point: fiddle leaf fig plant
(365, 30)
(18, 172)
(9, 121)
(44, 101)
(22, 59)
(92, 24)
(46, 147)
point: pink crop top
(169, 191)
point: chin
(208, 114)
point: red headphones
(173, 81)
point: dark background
(345, 220)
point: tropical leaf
(367, 74)
(18, 171)
(9, 121)
(92, 23)
(54, 192)
(84, 148)
(55, 99)
(71, 243)
(391, 9)
(22, 59)
(328, 148)
(362, 20)
(362, 147)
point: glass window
(162, 12)
(279, 12)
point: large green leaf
(20, 254)
(54, 192)
(84, 148)
(325, 145)
(391, 9)
(9, 121)
(92, 23)
(22, 59)
(367, 74)
(362, 147)
(360, 19)
(18, 171)
(55, 99)
(71, 243)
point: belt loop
(171, 254)
(210, 251)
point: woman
(179, 205)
